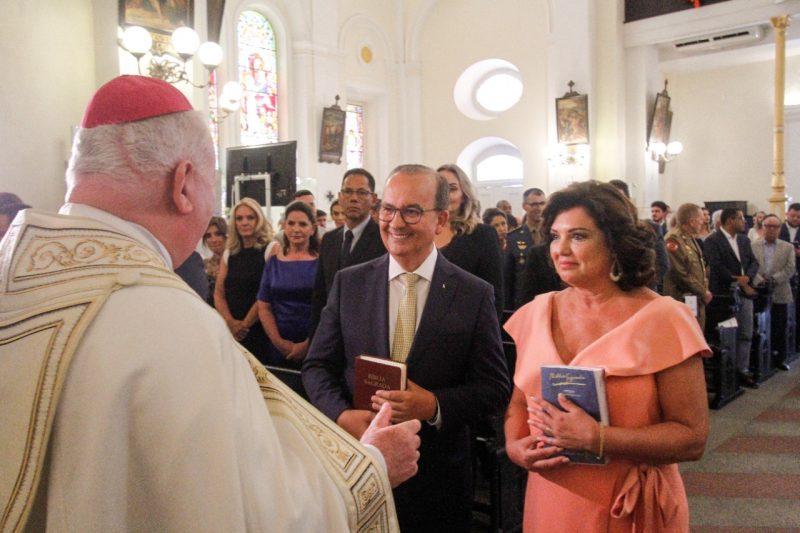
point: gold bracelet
(602, 440)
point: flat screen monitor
(278, 159)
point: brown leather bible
(375, 373)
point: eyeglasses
(410, 215)
(772, 226)
(362, 193)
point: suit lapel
(335, 251)
(437, 307)
(378, 302)
(758, 252)
(364, 242)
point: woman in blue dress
(284, 297)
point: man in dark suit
(450, 341)
(359, 240)
(657, 221)
(731, 261)
(789, 233)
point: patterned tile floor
(749, 477)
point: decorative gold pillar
(778, 198)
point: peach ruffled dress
(620, 496)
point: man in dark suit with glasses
(359, 240)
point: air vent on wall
(724, 39)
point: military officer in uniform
(519, 242)
(687, 272)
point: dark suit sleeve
(662, 259)
(486, 389)
(320, 295)
(490, 266)
(749, 263)
(721, 276)
(324, 365)
(509, 265)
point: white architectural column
(409, 117)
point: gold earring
(616, 272)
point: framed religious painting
(660, 119)
(572, 117)
(331, 138)
(157, 16)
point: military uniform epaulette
(519, 241)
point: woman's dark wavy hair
(313, 241)
(628, 239)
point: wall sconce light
(664, 153)
(163, 64)
(568, 154)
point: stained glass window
(354, 136)
(258, 75)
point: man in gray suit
(776, 266)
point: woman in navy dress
(239, 275)
(284, 298)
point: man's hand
(744, 284)
(414, 403)
(355, 421)
(707, 297)
(399, 444)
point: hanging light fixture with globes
(165, 65)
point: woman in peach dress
(650, 348)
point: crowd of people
(418, 276)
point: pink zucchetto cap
(132, 98)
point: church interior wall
(459, 34)
(48, 68)
(723, 115)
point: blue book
(586, 387)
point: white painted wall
(724, 117)
(459, 33)
(48, 68)
(723, 114)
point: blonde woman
(466, 241)
(240, 273)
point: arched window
(258, 75)
(354, 135)
(492, 161)
(487, 89)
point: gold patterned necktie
(406, 319)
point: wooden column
(778, 198)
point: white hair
(146, 150)
(716, 218)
